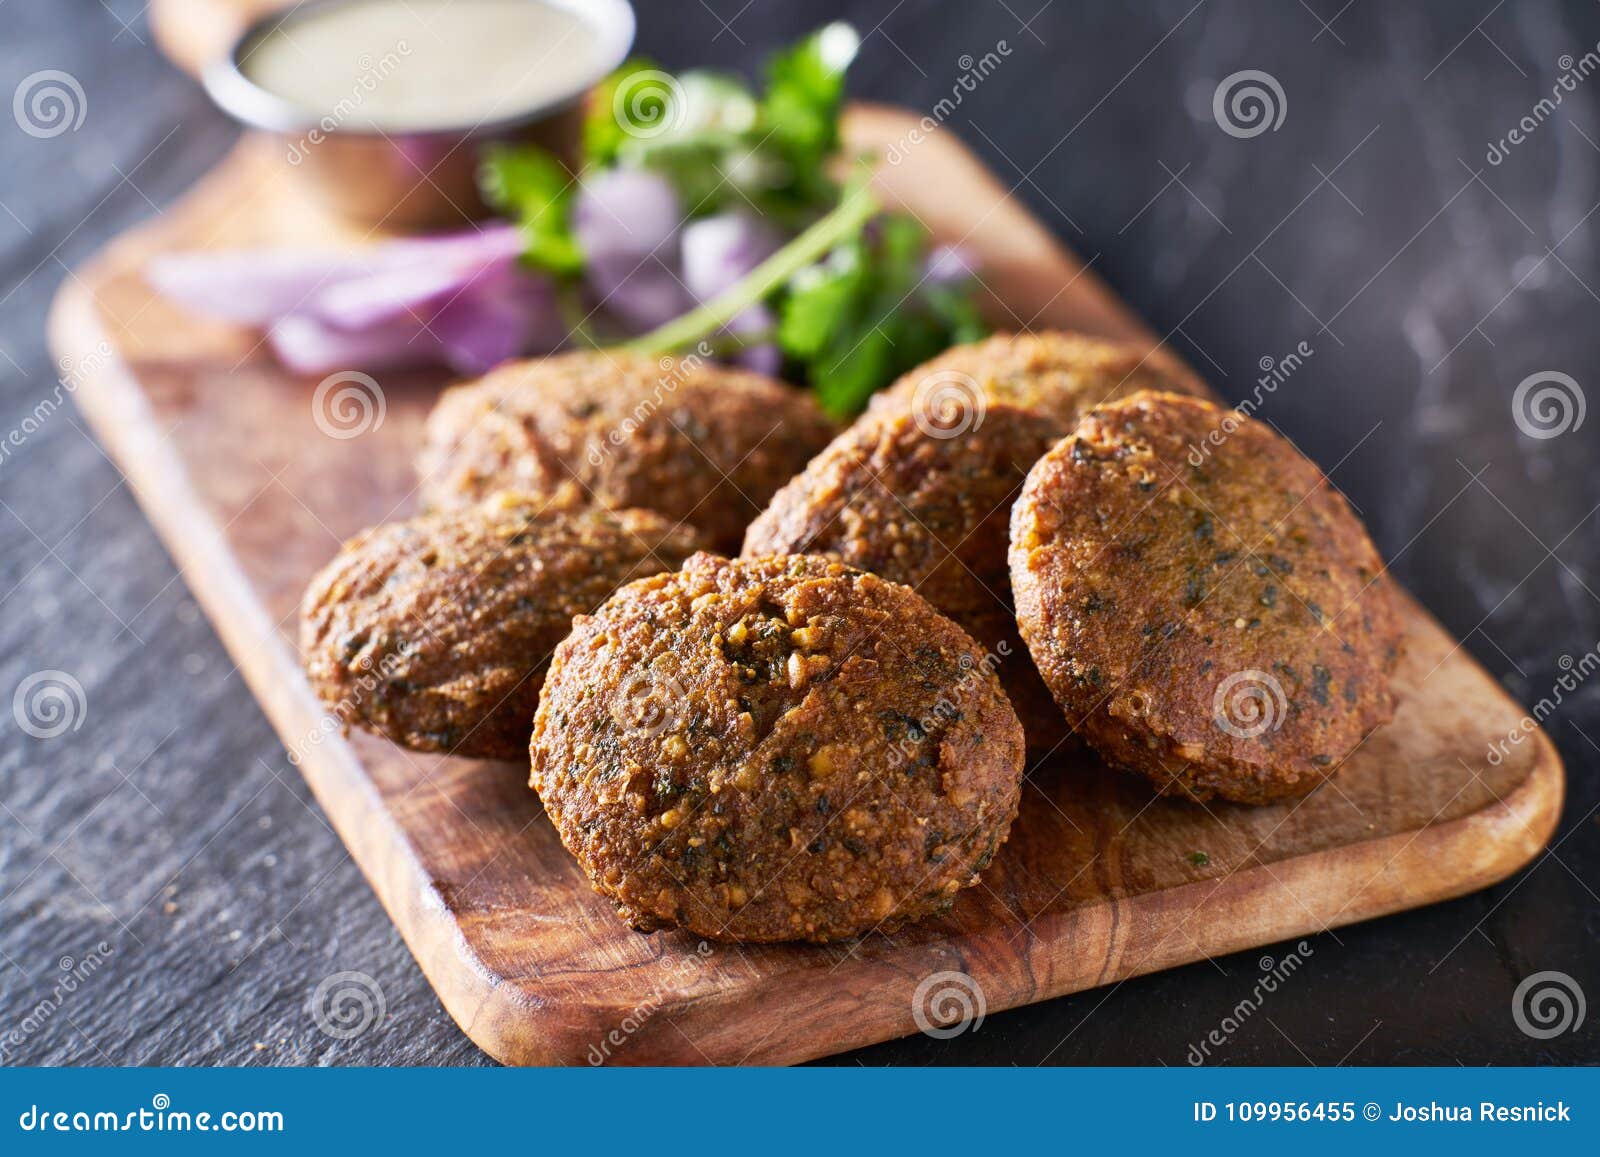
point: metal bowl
(407, 179)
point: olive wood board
(1099, 881)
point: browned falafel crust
(928, 506)
(1062, 375)
(691, 440)
(436, 632)
(775, 749)
(1208, 611)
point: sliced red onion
(625, 212)
(257, 287)
(416, 274)
(309, 346)
(757, 321)
(641, 294)
(250, 287)
(718, 251)
(461, 298)
(505, 313)
(947, 264)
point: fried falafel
(1051, 372)
(691, 440)
(928, 504)
(775, 749)
(435, 632)
(1203, 603)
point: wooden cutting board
(1098, 882)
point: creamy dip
(426, 64)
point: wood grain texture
(1095, 885)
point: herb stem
(857, 206)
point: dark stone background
(1428, 282)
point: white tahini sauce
(424, 64)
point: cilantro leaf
(800, 108)
(866, 315)
(627, 105)
(531, 186)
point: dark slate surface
(170, 829)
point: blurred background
(1429, 261)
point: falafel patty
(696, 442)
(436, 632)
(1052, 372)
(1201, 600)
(928, 505)
(775, 749)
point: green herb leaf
(528, 184)
(865, 316)
(800, 108)
(627, 105)
(845, 221)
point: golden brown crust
(1206, 609)
(436, 632)
(775, 749)
(1061, 375)
(696, 442)
(927, 505)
